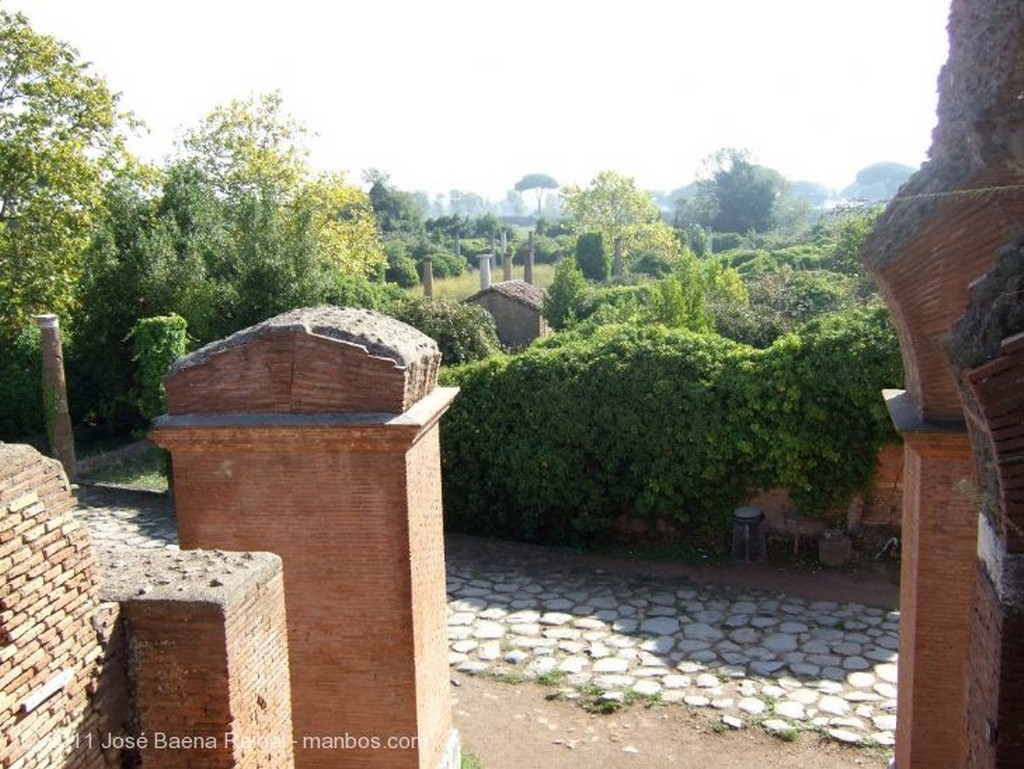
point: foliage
(59, 139)
(463, 332)
(401, 267)
(592, 257)
(538, 182)
(652, 263)
(397, 212)
(738, 195)
(546, 250)
(553, 444)
(626, 217)
(563, 294)
(878, 182)
(21, 386)
(157, 343)
(249, 148)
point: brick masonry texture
(306, 362)
(49, 619)
(353, 507)
(208, 656)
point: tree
(626, 217)
(739, 196)
(562, 299)
(60, 137)
(397, 212)
(250, 147)
(878, 182)
(592, 257)
(539, 182)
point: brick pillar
(314, 436)
(937, 589)
(208, 662)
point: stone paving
(748, 657)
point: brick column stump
(314, 436)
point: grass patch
(470, 760)
(468, 283)
(147, 471)
(552, 677)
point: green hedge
(463, 332)
(553, 444)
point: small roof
(516, 290)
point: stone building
(516, 306)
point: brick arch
(960, 667)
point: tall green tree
(739, 195)
(625, 216)
(538, 182)
(60, 137)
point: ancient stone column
(314, 435)
(55, 395)
(428, 276)
(618, 266)
(528, 270)
(485, 271)
(506, 261)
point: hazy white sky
(454, 94)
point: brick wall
(208, 657)
(982, 695)
(49, 621)
(937, 593)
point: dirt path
(513, 726)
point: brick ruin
(314, 436)
(100, 648)
(945, 258)
(167, 658)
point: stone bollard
(314, 435)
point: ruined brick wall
(52, 627)
(983, 675)
(208, 658)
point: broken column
(485, 271)
(55, 395)
(428, 276)
(314, 435)
(528, 270)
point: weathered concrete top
(192, 576)
(517, 290)
(312, 360)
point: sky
(454, 94)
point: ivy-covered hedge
(553, 444)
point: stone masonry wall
(49, 622)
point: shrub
(546, 250)
(593, 257)
(653, 263)
(21, 386)
(157, 343)
(463, 332)
(726, 241)
(553, 444)
(563, 295)
(401, 267)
